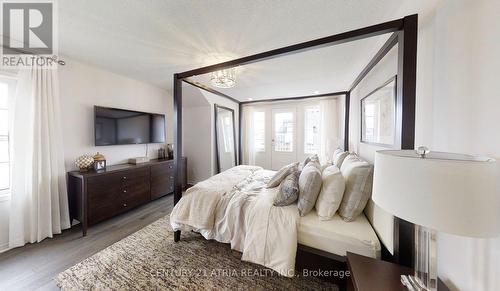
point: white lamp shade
(451, 193)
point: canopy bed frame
(404, 34)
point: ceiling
(152, 40)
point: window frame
(306, 108)
(11, 87)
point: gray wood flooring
(33, 266)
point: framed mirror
(225, 138)
(378, 115)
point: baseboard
(4, 247)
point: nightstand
(369, 274)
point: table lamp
(446, 192)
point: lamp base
(425, 261)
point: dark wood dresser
(96, 196)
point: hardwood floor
(33, 266)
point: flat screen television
(113, 126)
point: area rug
(150, 260)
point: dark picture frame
(392, 82)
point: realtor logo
(27, 28)
(29, 33)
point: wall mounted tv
(113, 126)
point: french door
(283, 137)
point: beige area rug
(150, 260)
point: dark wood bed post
(240, 138)
(405, 112)
(346, 119)
(177, 144)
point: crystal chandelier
(224, 78)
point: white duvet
(236, 207)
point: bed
(236, 207)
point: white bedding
(338, 237)
(235, 207)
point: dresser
(96, 196)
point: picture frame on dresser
(378, 115)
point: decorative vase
(84, 162)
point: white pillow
(331, 193)
(326, 165)
(338, 159)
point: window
(283, 128)
(259, 128)
(4, 137)
(311, 130)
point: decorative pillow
(288, 191)
(338, 159)
(358, 176)
(309, 186)
(348, 160)
(315, 163)
(325, 165)
(336, 152)
(303, 164)
(331, 193)
(281, 174)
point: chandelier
(224, 78)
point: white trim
(4, 247)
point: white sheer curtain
(39, 201)
(248, 140)
(329, 133)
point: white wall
(196, 142)
(83, 86)
(457, 110)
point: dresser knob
(124, 178)
(124, 204)
(124, 191)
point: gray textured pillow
(358, 176)
(315, 163)
(309, 186)
(281, 174)
(331, 193)
(303, 164)
(288, 191)
(339, 158)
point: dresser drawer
(103, 190)
(114, 193)
(162, 181)
(97, 213)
